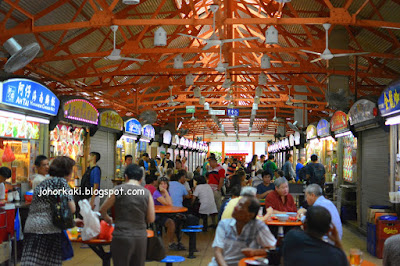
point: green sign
(190, 109)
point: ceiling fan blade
(239, 66)
(316, 60)
(349, 54)
(310, 52)
(87, 57)
(208, 46)
(191, 36)
(133, 59)
(239, 39)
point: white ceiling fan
(327, 54)
(116, 53)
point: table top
(150, 233)
(169, 209)
(243, 263)
(287, 223)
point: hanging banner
(167, 137)
(183, 142)
(287, 143)
(323, 128)
(311, 132)
(81, 110)
(111, 119)
(297, 138)
(29, 95)
(291, 140)
(361, 111)
(148, 131)
(190, 144)
(175, 140)
(133, 126)
(339, 121)
(389, 101)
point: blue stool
(195, 226)
(192, 240)
(169, 260)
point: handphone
(264, 261)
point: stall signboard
(291, 140)
(29, 95)
(111, 119)
(287, 143)
(297, 138)
(323, 128)
(81, 110)
(18, 128)
(361, 111)
(339, 121)
(389, 101)
(133, 126)
(175, 140)
(167, 137)
(311, 132)
(190, 145)
(182, 142)
(148, 131)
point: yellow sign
(81, 110)
(390, 231)
(111, 119)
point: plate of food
(81, 150)
(82, 135)
(63, 133)
(56, 133)
(69, 135)
(64, 148)
(76, 149)
(69, 149)
(9, 127)
(2, 127)
(22, 129)
(76, 135)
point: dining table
(160, 209)
(97, 245)
(242, 262)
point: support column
(223, 150)
(254, 148)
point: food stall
(190, 156)
(26, 108)
(181, 147)
(146, 138)
(329, 149)
(313, 145)
(126, 145)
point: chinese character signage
(167, 137)
(148, 131)
(29, 95)
(81, 110)
(361, 111)
(311, 132)
(339, 121)
(323, 128)
(133, 126)
(233, 112)
(111, 119)
(389, 102)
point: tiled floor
(204, 240)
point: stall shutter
(104, 143)
(375, 170)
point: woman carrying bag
(134, 207)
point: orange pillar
(223, 151)
(254, 148)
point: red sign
(339, 121)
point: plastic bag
(8, 155)
(106, 231)
(91, 228)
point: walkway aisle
(204, 240)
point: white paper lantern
(206, 106)
(265, 62)
(178, 62)
(271, 35)
(189, 80)
(160, 37)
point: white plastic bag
(91, 228)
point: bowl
(282, 217)
(292, 214)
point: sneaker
(173, 246)
(181, 247)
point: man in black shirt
(308, 248)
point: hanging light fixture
(178, 62)
(206, 106)
(274, 119)
(202, 100)
(189, 79)
(265, 62)
(289, 101)
(257, 100)
(262, 79)
(271, 35)
(197, 92)
(160, 37)
(258, 91)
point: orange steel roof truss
(75, 37)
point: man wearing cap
(169, 162)
(162, 155)
(216, 176)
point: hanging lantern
(197, 92)
(265, 62)
(189, 80)
(255, 106)
(202, 100)
(206, 106)
(178, 62)
(257, 100)
(258, 91)
(160, 37)
(271, 35)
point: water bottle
(260, 212)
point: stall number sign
(216, 112)
(29, 95)
(233, 112)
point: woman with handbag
(42, 243)
(134, 207)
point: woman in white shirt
(5, 173)
(206, 197)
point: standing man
(91, 180)
(170, 163)
(146, 159)
(299, 165)
(315, 172)
(128, 161)
(163, 160)
(216, 176)
(287, 168)
(184, 163)
(270, 165)
(260, 163)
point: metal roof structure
(75, 36)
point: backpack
(85, 182)
(316, 172)
(303, 173)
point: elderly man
(280, 199)
(391, 251)
(245, 191)
(314, 197)
(308, 248)
(241, 236)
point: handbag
(61, 213)
(66, 248)
(155, 249)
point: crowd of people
(228, 193)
